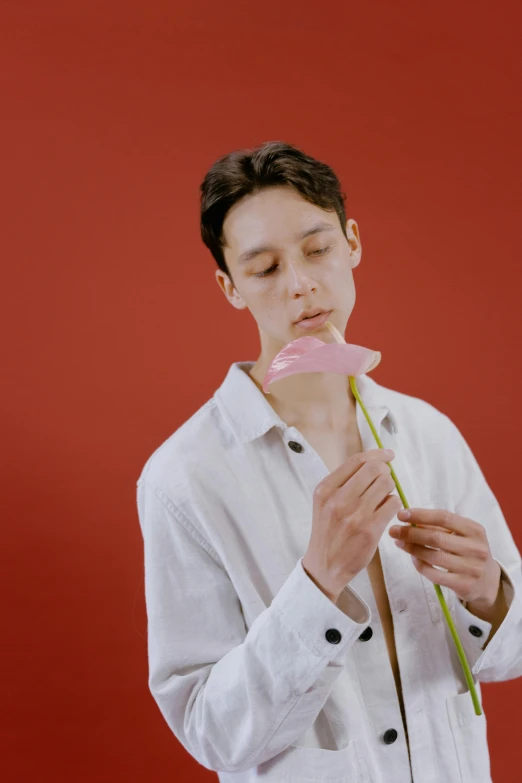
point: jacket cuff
(474, 632)
(327, 629)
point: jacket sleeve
(473, 498)
(234, 698)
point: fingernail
(404, 514)
(399, 543)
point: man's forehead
(263, 211)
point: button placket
(310, 465)
(368, 441)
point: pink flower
(309, 354)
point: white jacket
(257, 673)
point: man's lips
(308, 317)
(315, 322)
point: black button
(333, 636)
(366, 634)
(295, 446)
(474, 630)
(389, 736)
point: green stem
(442, 600)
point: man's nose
(299, 280)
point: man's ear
(354, 241)
(226, 285)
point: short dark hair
(246, 171)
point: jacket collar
(250, 415)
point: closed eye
(321, 251)
(266, 271)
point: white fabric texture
(240, 662)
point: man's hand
(457, 544)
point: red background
(115, 330)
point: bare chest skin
(334, 450)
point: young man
(289, 638)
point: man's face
(291, 273)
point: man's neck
(319, 402)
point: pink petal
(309, 354)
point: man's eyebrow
(248, 255)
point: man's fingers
(431, 517)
